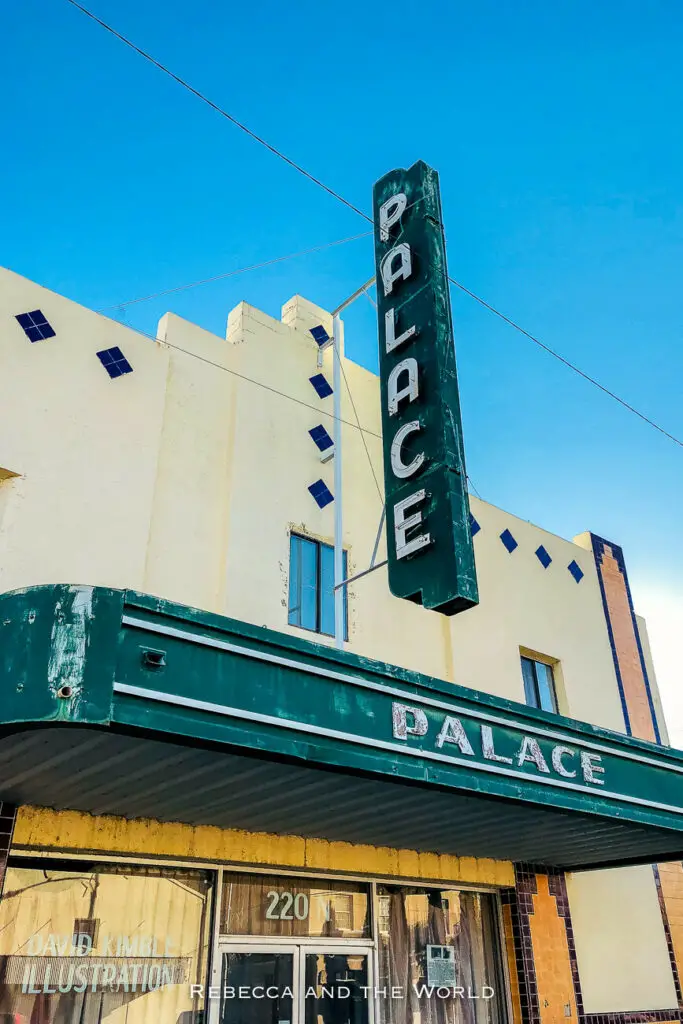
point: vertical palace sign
(429, 541)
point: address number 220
(285, 906)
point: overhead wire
(336, 195)
(234, 273)
(567, 363)
(337, 355)
(219, 110)
(243, 376)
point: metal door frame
(297, 948)
(232, 946)
(348, 946)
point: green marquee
(120, 703)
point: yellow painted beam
(76, 832)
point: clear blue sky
(556, 129)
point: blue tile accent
(319, 382)
(35, 325)
(114, 361)
(576, 570)
(474, 526)
(321, 493)
(320, 334)
(321, 438)
(543, 556)
(508, 541)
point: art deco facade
(453, 819)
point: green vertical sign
(429, 541)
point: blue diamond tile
(320, 334)
(474, 526)
(321, 438)
(35, 325)
(508, 541)
(319, 382)
(576, 571)
(543, 556)
(321, 493)
(114, 361)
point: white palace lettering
(564, 761)
(403, 382)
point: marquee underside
(105, 772)
(117, 703)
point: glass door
(301, 983)
(335, 986)
(258, 985)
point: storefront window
(103, 943)
(438, 957)
(276, 905)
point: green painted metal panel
(432, 563)
(159, 671)
(56, 637)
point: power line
(566, 362)
(362, 435)
(242, 376)
(219, 110)
(336, 195)
(234, 273)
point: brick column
(640, 720)
(627, 652)
(541, 956)
(8, 815)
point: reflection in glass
(120, 945)
(278, 905)
(257, 988)
(546, 686)
(336, 989)
(412, 919)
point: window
(311, 586)
(432, 941)
(84, 942)
(287, 906)
(36, 327)
(539, 684)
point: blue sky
(556, 130)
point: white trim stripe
(393, 691)
(364, 741)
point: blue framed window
(311, 586)
(539, 684)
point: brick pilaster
(640, 719)
(545, 977)
(8, 816)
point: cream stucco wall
(620, 943)
(184, 479)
